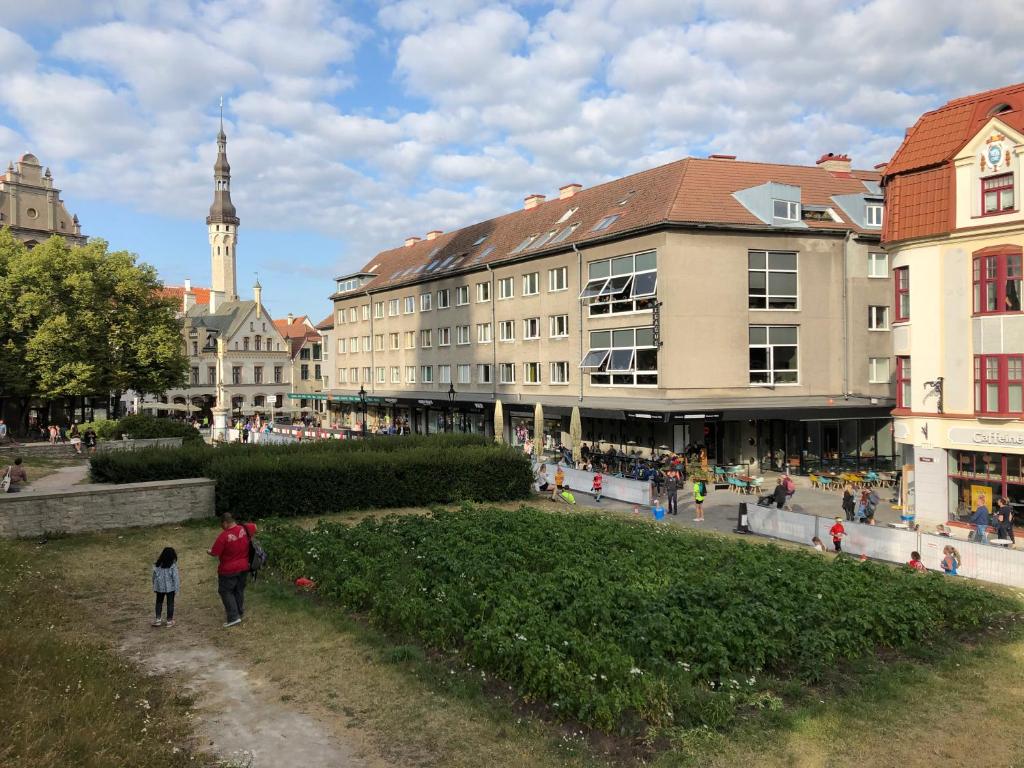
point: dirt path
(241, 716)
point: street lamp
(451, 406)
(362, 403)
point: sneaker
(156, 623)
(232, 623)
(698, 519)
(169, 624)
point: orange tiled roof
(919, 178)
(689, 190)
(297, 329)
(177, 292)
(326, 324)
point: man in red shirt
(837, 532)
(232, 549)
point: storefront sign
(996, 437)
(692, 416)
(926, 459)
(646, 416)
(425, 402)
(348, 399)
(306, 396)
(391, 400)
(478, 405)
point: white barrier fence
(987, 562)
(618, 488)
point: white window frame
(462, 335)
(367, 373)
(378, 310)
(506, 288)
(353, 315)
(480, 377)
(484, 330)
(410, 339)
(343, 375)
(535, 367)
(767, 271)
(615, 286)
(410, 305)
(506, 368)
(464, 371)
(874, 366)
(366, 311)
(553, 322)
(444, 337)
(876, 258)
(396, 374)
(342, 347)
(426, 374)
(613, 357)
(382, 375)
(773, 378)
(378, 342)
(559, 373)
(531, 328)
(558, 279)
(426, 338)
(366, 343)
(506, 331)
(353, 344)
(426, 302)
(461, 295)
(878, 317)
(353, 375)
(395, 340)
(393, 306)
(791, 210)
(483, 292)
(444, 373)
(443, 298)
(410, 374)
(873, 213)
(531, 283)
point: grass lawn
(396, 705)
(39, 465)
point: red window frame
(901, 282)
(903, 398)
(995, 378)
(999, 193)
(997, 277)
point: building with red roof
(742, 305)
(955, 232)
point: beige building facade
(956, 240)
(767, 341)
(31, 205)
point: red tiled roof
(919, 178)
(177, 292)
(326, 324)
(297, 329)
(689, 190)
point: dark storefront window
(814, 445)
(979, 473)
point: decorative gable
(988, 176)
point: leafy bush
(319, 478)
(143, 427)
(106, 429)
(622, 625)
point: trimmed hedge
(320, 478)
(143, 427)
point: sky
(352, 125)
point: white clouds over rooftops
(434, 113)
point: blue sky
(352, 125)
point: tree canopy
(82, 320)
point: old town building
(741, 305)
(31, 206)
(305, 352)
(955, 232)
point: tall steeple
(222, 223)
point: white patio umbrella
(499, 423)
(538, 431)
(576, 434)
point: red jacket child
(837, 532)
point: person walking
(3, 432)
(790, 486)
(595, 487)
(950, 560)
(980, 521)
(837, 532)
(700, 492)
(861, 515)
(166, 584)
(559, 481)
(1004, 520)
(90, 439)
(671, 492)
(848, 505)
(779, 494)
(232, 550)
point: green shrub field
(143, 427)
(332, 476)
(622, 625)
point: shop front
(555, 429)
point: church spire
(222, 211)
(222, 223)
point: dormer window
(786, 210)
(997, 193)
(873, 215)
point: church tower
(222, 223)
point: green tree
(81, 320)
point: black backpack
(257, 555)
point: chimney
(834, 163)
(432, 234)
(721, 157)
(188, 297)
(257, 296)
(532, 201)
(411, 241)
(215, 299)
(564, 193)
(290, 318)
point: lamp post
(362, 403)
(451, 406)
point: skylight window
(606, 222)
(627, 196)
(543, 238)
(483, 254)
(786, 210)
(524, 245)
(479, 240)
(564, 233)
(419, 269)
(567, 215)
(433, 253)
(433, 265)
(446, 262)
(395, 275)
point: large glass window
(443, 299)
(904, 397)
(531, 283)
(531, 328)
(787, 210)
(878, 370)
(998, 384)
(622, 357)
(410, 304)
(997, 277)
(997, 193)
(461, 295)
(771, 279)
(462, 334)
(558, 279)
(392, 307)
(560, 373)
(531, 373)
(773, 354)
(559, 326)
(506, 288)
(878, 265)
(623, 284)
(506, 373)
(507, 330)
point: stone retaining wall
(100, 506)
